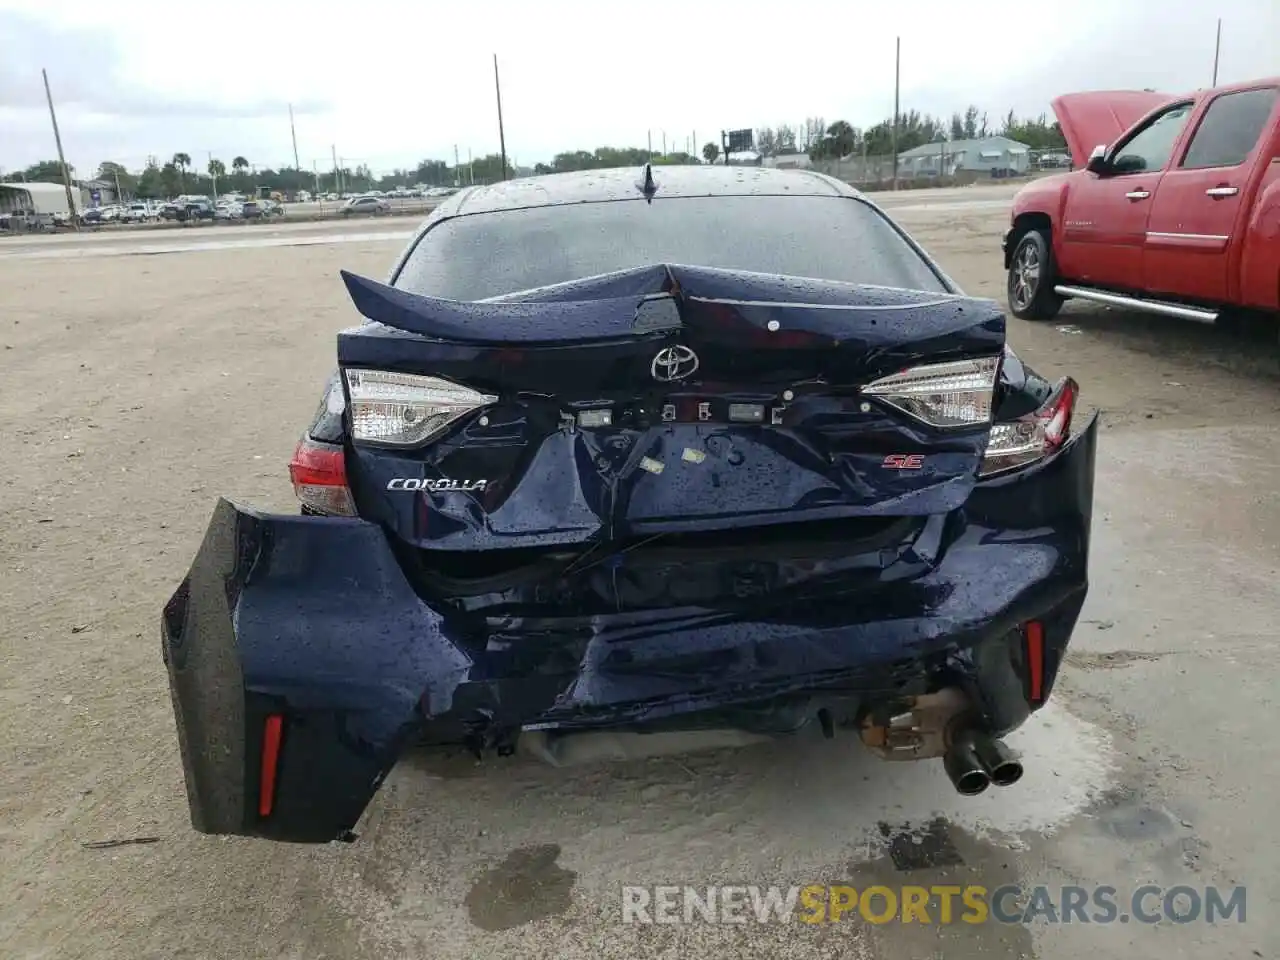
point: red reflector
(271, 733)
(1034, 633)
(319, 475)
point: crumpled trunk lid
(1100, 116)
(734, 400)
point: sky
(388, 83)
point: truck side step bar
(1178, 310)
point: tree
(119, 177)
(46, 171)
(180, 162)
(839, 140)
(957, 127)
(786, 139)
(217, 168)
(766, 142)
(971, 122)
(815, 129)
(711, 151)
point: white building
(950, 156)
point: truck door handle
(1138, 194)
(1219, 192)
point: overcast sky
(406, 81)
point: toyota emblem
(673, 363)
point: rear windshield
(476, 256)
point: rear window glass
(476, 256)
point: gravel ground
(137, 389)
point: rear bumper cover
(313, 620)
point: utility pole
(1217, 48)
(334, 150)
(457, 171)
(897, 73)
(342, 174)
(502, 136)
(293, 131)
(213, 176)
(664, 143)
(62, 161)
(650, 135)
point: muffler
(941, 724)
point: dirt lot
(137, 389)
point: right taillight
(319, 474)
(1027, 439)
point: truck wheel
(1031, 279)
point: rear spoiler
(640, 303)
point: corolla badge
(673, 363)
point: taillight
(319, 475)
(1034, 436)
(953, 394)
(405, 409)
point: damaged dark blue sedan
(630, 461)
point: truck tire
(1031, 278)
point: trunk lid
(1100, 116)
(733, 400)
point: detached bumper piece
(302, 662)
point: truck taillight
(319, 474)
(1034, 436)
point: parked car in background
(251, 210)
(367, 205)
(1175, 212)
(193, 210)
(675, 469)
(272, 208)
(227, 210)
(137, 212)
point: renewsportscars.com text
(939, 904)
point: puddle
(528, 885)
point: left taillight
(319, 474)
(405, 409)
(1030, 438)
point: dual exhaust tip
(974, 761)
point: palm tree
(216, 169)
(182, 161)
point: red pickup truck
(1177, 210)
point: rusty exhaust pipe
(964, 769)
(998, 761)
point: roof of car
(623, 183)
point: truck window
(1230, 129)
(1149, 149)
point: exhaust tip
(964, 770)
(971, 783)
(1006, 774)
(1001, 766)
